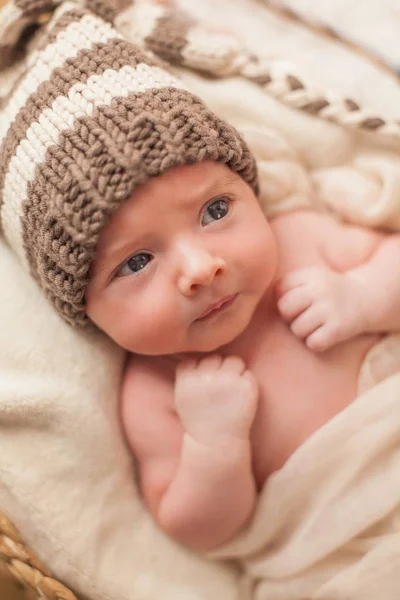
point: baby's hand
(323, 307)
(215, 398)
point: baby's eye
(135, 264)
(215, 211)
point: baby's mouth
(218, 307)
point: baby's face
(185, 242)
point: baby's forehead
(190, 180)
(180, 187)
(181, 190)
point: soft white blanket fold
(327, 525)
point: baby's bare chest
(301, 390)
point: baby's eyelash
(224, 203)
(141, 264)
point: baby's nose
(199, 268)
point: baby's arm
(378, 281)
(325, 307)
(195, 469)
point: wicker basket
(22, 575)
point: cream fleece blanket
(327, 522)
(327, 525)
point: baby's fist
(215, 398)
(323, 307)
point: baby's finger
(306, 323)
(185, 366)
(320, 340)
(211, 362)
(234, 364)
(249, 377)
(294, 302)
(290, 281)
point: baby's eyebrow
(221, 183)
(208, 191)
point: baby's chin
(217, 340)
(184, 350)
(201, 346)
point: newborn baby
(245, 337)
(134, 206)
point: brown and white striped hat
(89, 117)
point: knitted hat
(90, 117)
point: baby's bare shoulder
(342, 246)
(151, 426)
(147, 405)
(149, 376)
(346, 246)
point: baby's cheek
(141, 332)
(149, 330)
(260, 254)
